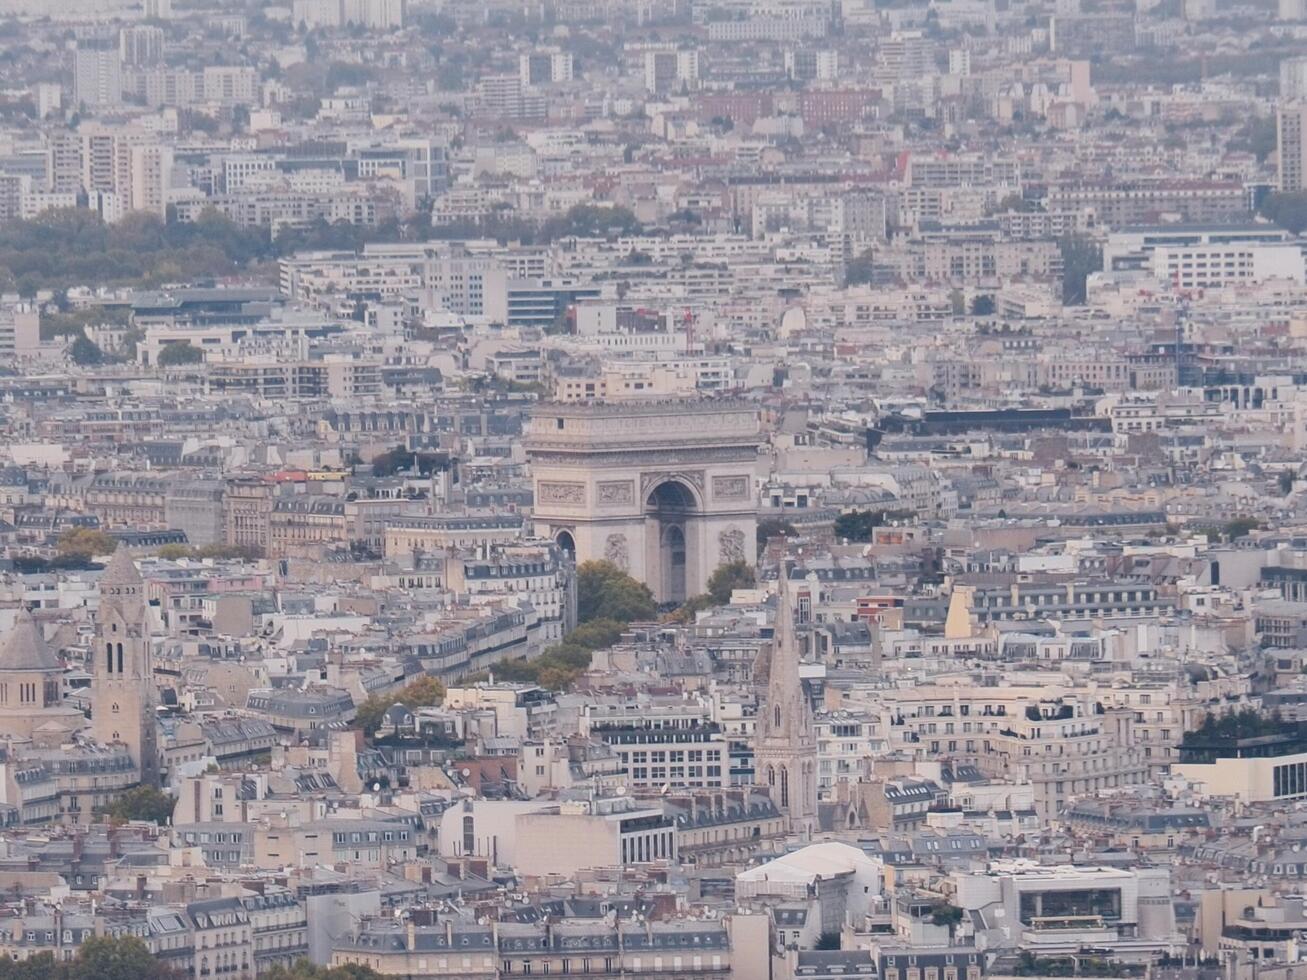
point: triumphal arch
(663, 489)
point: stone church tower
(122, 677)
(785, 745)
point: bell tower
(122, 677)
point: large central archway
(669, 509)
(663, 489)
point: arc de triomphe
(663, 489)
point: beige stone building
(31, 703)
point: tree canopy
(86, 542)
(1240, 527)
(589, 221)
(75, 322)
(305, 970)
(422, 692)
(176, 354)
(607, 600)
(75, 247)
(860, 525)
(99, 958)
(1080, 257)
(1288, 210)
(774, 527)
(399, 459)
(729, 577)
(860, 270)
(85, 352)
(1243, 723)
(559, 666)
(604, 591)
(140, 803)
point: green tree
(860, 525)
(140, 803)
(399, 459)
(774, 527)
(1239, 527)
(1288, 210)
(42, 966)
(604, 591)
(982, 306)
(861, 270)
(86, 542)
(590, 220)
(725, 579)
(174, 355)
(370, 712)
(559, 667)
(691, 608)
(946, 915)
(110, 958)
(1285, 481)
(86, 352)
(305, 970)
(75, 322)
(1015, 202)
(422, 692)
(1080, 258)
(1257, 136)
(75, 247)
(596, 634)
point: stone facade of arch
(601, 473)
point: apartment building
(1291, 140)
(1063, 743)
(735, 947)
(661, 744)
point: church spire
(121, 570)
(785, 747)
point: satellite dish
(466, 773)
(621, 791)
(376, 787)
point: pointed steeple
(121, 586)
(785, 744)
(24, 648)
(121, 570)
(789, 713)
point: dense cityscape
(740, 489)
